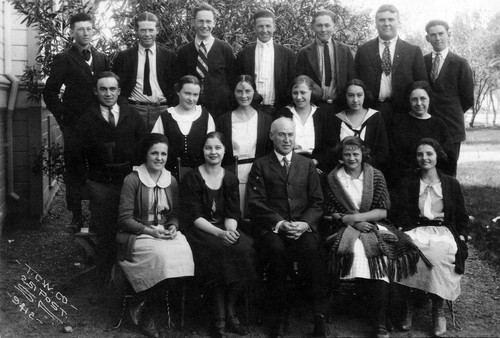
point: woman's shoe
(407, 322)
(136, 312)
(234, 326)
(438, 318)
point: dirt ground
(47, 283)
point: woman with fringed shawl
(365, 247)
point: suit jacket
(407, 66)
(405, 211)
(324, 138)
(217, 85)
(69, 68)
(224, 125)
(273, 196)
(453, 93)
(167, 69)
(284, 69)
(308, 64)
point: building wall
(3, 112)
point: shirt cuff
(277, 226)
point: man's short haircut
(203, 6)
(145, 16)
(79, 17)
(321, 13)
(433, 23)
(278, 121)
(106, 74)
(387, 8)
(263, 13)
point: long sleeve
(127, 204)
(53, 87)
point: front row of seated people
(285, 202)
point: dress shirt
(386, 80)
(244, 141)
(304, 132)
(264, 69)
(444, 54)
(183, 121)
(430, 200)
(137, 93)
(89, 62)
(114, 109)
(329, 92)
(352, 186)
(209, 42)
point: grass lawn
(479, 174)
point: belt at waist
(147, 103)
(160, 221)
(429, 222)
(246, 160)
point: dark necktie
(147, 85)
(111, 117)
(286, 165)
(86, 54)
(328, 64)
(202, 62)
(435, 67)
(386, 59)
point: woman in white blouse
(185, 125)
(313, 125)
(366, 247)
(247, 131)
(429, 206)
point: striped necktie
(435, 67)
(202, 62)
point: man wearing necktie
(285, 203)
(109, 136)
(388, 65)
(328, 62)
(75, 69)
(211, 60)
(451, 80)
(271, 64)
(147, 72)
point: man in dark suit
(109, 136)
(328, 62)
(147, 71)
(271, 65)
(285, 202)
(75, 69)
(211, 60)
(451, 80)
(388, 65)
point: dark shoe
(136, 312)
(319, 326)
(234, 326)
(219, 329)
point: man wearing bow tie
(75, 69)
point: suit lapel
(73, 52)
(251, 59)
(294, 168)
(278, 57)
(444, 67)
(276, 166)
(159, 64)
(312, 56)
(134, 58)
(398, 53)
(375, 55)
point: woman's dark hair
(441, 154)
(150, 140)
(352, 142)
(218, 135)
(424, 85)
(316, 91)
(185, 80)
(257, 98)
(368, 101)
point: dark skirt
(216, 262)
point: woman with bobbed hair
(185, 125)
(313, 125)
(357, 119)
(247, 131)
(366, 247)
(429, 206)
(151, 248)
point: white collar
(280, 157)
(296, 115)
(185, 118)
(437, 187)
(393, 41)
(152, 49)
(207, 42)
(343, 116)
(265, 44)
(164, 180)
(341, 173)
(114, 108)
(443, 53)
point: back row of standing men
(148, 72)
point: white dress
(154, 259)
(354, 189)
(244, 141)
(438, 245)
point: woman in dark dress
(313, 125)
(409, 128)
(185, 125)
(224, 256)
(247, 131)
(429, 206)
(357, 119)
